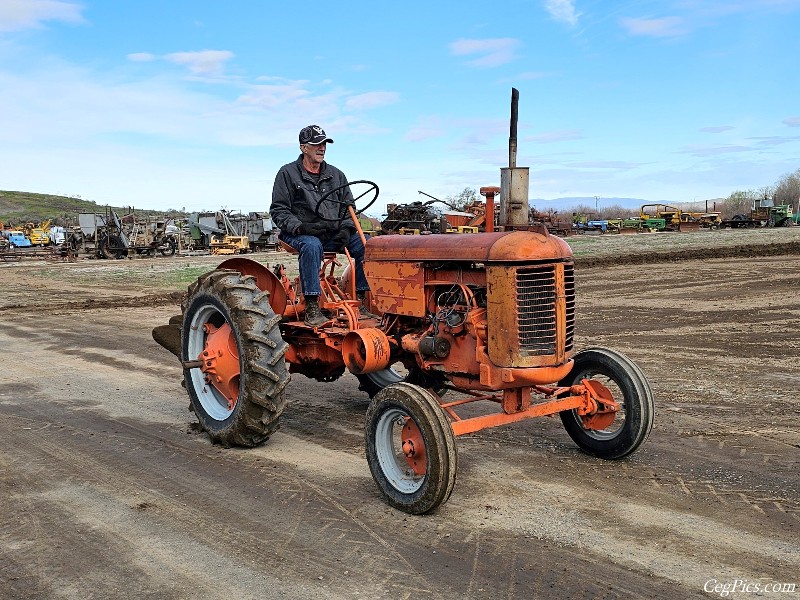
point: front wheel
(112, 247)
(411, 448)
(231, 330)
(628, 387)
(167, 247)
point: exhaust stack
(514, 179)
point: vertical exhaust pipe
(512, 135)
(514, 179)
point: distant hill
(24, 207)
(566, 203)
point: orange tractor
(486, 322)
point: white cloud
(141, 57)
(426, 128)
(274, 94)
(619, 165)
(203, 62)
(774, 140)
(495, 52)
(719, 129)
(715, 8)
(562, 11)
(792, 121)
(420, 134)
(704, 151)
(661, 27)
(26, 14)
(371, 100)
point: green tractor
(781, 216)
(767, 214)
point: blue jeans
(311, 249)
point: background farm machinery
(222, 232)
(434, 216)
(109, 236)
(764, 213)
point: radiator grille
(537, 306)
(569, 293)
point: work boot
(314, 316)
(363, 311)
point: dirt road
(108, 491)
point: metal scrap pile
(416, 217)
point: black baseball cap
(314, 135)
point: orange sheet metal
(506, 246)
(266, 280)
(366, 350)
(397, 287)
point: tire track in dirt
(103, 495)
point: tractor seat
(292, 250)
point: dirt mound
(744, 251)
(153, 300)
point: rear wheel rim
(214, 402)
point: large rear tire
(629, 388)
(240, 402)
(411, 448)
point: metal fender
(266, 280)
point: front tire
(629, 388)
(411, 448)
(239, 401)
(167, 247)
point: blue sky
(196, 104)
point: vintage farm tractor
(484, 321)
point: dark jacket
(295, 196)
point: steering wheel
(373, 187)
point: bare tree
(463, 199)
(739, 202)
(765, 192)
(787, 190)
(616, 211)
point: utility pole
(596, 205)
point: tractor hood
(500, 247)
